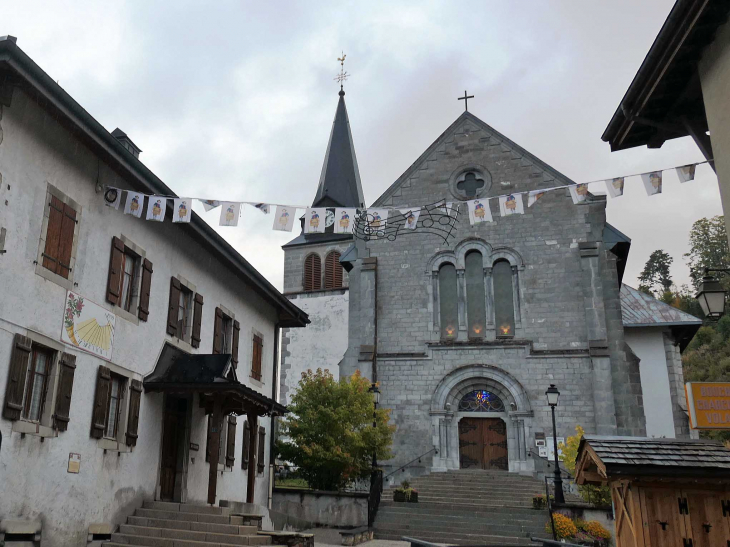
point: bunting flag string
(374, 223)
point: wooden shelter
(666, 492)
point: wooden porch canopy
(213, 378)
(664, 491)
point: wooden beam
(702, 139)
(253, 431)
(215, 437)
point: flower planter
(403, 497)
(414, 497)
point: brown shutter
(135, 398)
(332, 271)
(114, 283)
(53, 234)
(101, 400)
(197, 320)
(231, 442)
(246, 445)
(19, 359)
(218, 331)
(144, 292)
(261, 447)
(234, 343)
(62, 412)
(174, 307)
(66, 241)
(258, 346)
(312, 273)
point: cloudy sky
(235, 99)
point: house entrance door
(483, 443)
(173, 448)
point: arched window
(476, 314)
(448, 302)
(481, 401)
(504, 306)
(332, 271)
(312, 273)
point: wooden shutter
(246, 445)
(114, 283)
(218, 331)
(258, 345)
(231, 442)
(172, 311)
(332, 271)
(101, 401)
(62, 412)
(143, 311)
(261, 447)
(135, 399)
(207, 440)
(234, 343)
(312, 273)
(19, 359)
(197, 320)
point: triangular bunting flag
(579, 192)
(479, 211)
(615, 187)
(134, 204)
(314, 220)
(181, 210)
(344, 220)
(209, 204)
(533, 196)
(230, 211)
(284, 218)
(411, 216)
(686, 173)
(652, 182)
(511, 205)
(156, 206)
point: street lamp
(711, 295)
(376, 399)
(553, 395)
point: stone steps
(163, 524)
(455, 538)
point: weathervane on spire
(342, 76)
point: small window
(481, 401)
(312, 273)
(504, 306)
(448, 302)
(258, 349)
(116, 395)
(39, 371)
(227, 334)
(475, 297)
(130, 264)
(332, 271)
(185, 314)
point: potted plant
(540, 502)
(404, 493)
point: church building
(465, 335)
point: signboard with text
(708, 404)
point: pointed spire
(339, 184)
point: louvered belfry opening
(332, 271)
(312, 273)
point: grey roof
(678, 454)
(639, 309)
(339, 184)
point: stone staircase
(162, 524)
(466, 507)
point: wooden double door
(173, 447)
(483, 443)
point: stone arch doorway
(459, 417)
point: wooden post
(253, 432)
(215, 439)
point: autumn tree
(329, 435)
(595, 495)
(656, 276)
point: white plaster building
(190, 328)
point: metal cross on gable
(470, 184)
(465, 98)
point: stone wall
(337, 509)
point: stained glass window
(448, 302)
(481, 400)
(475, 299)
(504, 307)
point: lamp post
(711, 294)
(376, 399)
(553, 395)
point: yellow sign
(708, 404)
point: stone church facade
(465, 336)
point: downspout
(272, 437)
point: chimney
(122, 137)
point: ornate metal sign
(436, 218)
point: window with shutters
(257, 356)
(116, 409)
(332, 271)
(312, 273)
(130, 280)
(246, 444)
(114, 406)
(40, 385)
(226, 442)
(185, 311)
(185, 314)
(56, 259)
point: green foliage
(708, 248)
(599, 496)
(331, 438)
(656, 276)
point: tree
(708, 248)
(331, 438)
(656, 276)
(595, 495)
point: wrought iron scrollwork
(481, 400)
